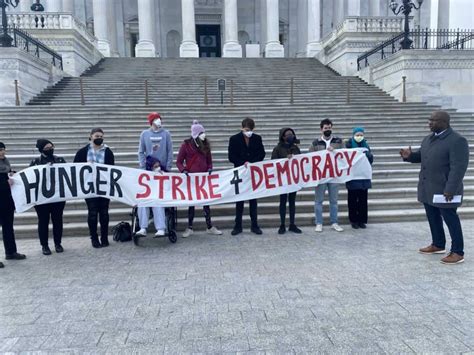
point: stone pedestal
(252, 50)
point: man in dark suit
(444, 156)
(246, 147)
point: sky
(461, 14)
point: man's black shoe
(355, 225)
(46, 250)
(282, 229)
(15, 256)
(256, 230)
(362, 225)
(58, 248)
(293, 228)
(236, 231)
(96, 244)
(1, 265)
(104, 243)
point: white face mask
(358, 139)
(248, 133)
(157, 122)
(202, 136)
(157, 169)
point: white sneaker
(337, 227)
(319, 228)
(160, 233)
(214, 230)
(141, 232)
(187, 232)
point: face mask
(327, 133)
(359, 139)
(157, 169)
(202, 136)
(290, 139)
(157, 122)
(48, 153)
(98, 141)
(248, 133)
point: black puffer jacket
(282, 150)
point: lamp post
(5, 39)
(405, 8)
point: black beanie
(40, 143)
(2, 145)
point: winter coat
(240, 152)
(192, 159)
(42, 160)
(364, 184)
(320, 144)
(282, 149)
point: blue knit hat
(357, 130)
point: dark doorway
(208, 38)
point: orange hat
(153, 116)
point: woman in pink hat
(195, 157)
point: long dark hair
(204, 146)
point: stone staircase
(114, 93)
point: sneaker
(141, 232)
(319, 228)
(187, 232)
(453, 258)
(431, 249)
(282, 229)
(160, 233)
(293, 228)
(337, 227)
(214, 230)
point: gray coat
(444, 161)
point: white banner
(63, 182)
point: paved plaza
(352, 292)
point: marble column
(188, 47)
(112, 28)
(232, 48)
(353, 7)
(338, 13)
(54, 6)
(443, 14)
(99, 9)
(80, 10)
(423, 16)
(68, 6)
(25, 6)
(374, 8)
(146, 25)
(314, 28)
(273, 47)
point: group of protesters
(155, 153)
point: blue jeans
(435, 217)
(333, 190)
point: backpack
(122, 232)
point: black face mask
(327, 133)
(290, 140)
(98, 141)
(48, 153)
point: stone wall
(438, 77)
(33, 75)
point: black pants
(7, 210)
(291, 204)
(44, 212)
(239, 210)
(207, 215)
(98, 206)
(435, 217)
(357, 203)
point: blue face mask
(290, 140)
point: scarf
(5, 167)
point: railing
(24, 41)
(49, 21)
(422, 39)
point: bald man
(444, 156)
